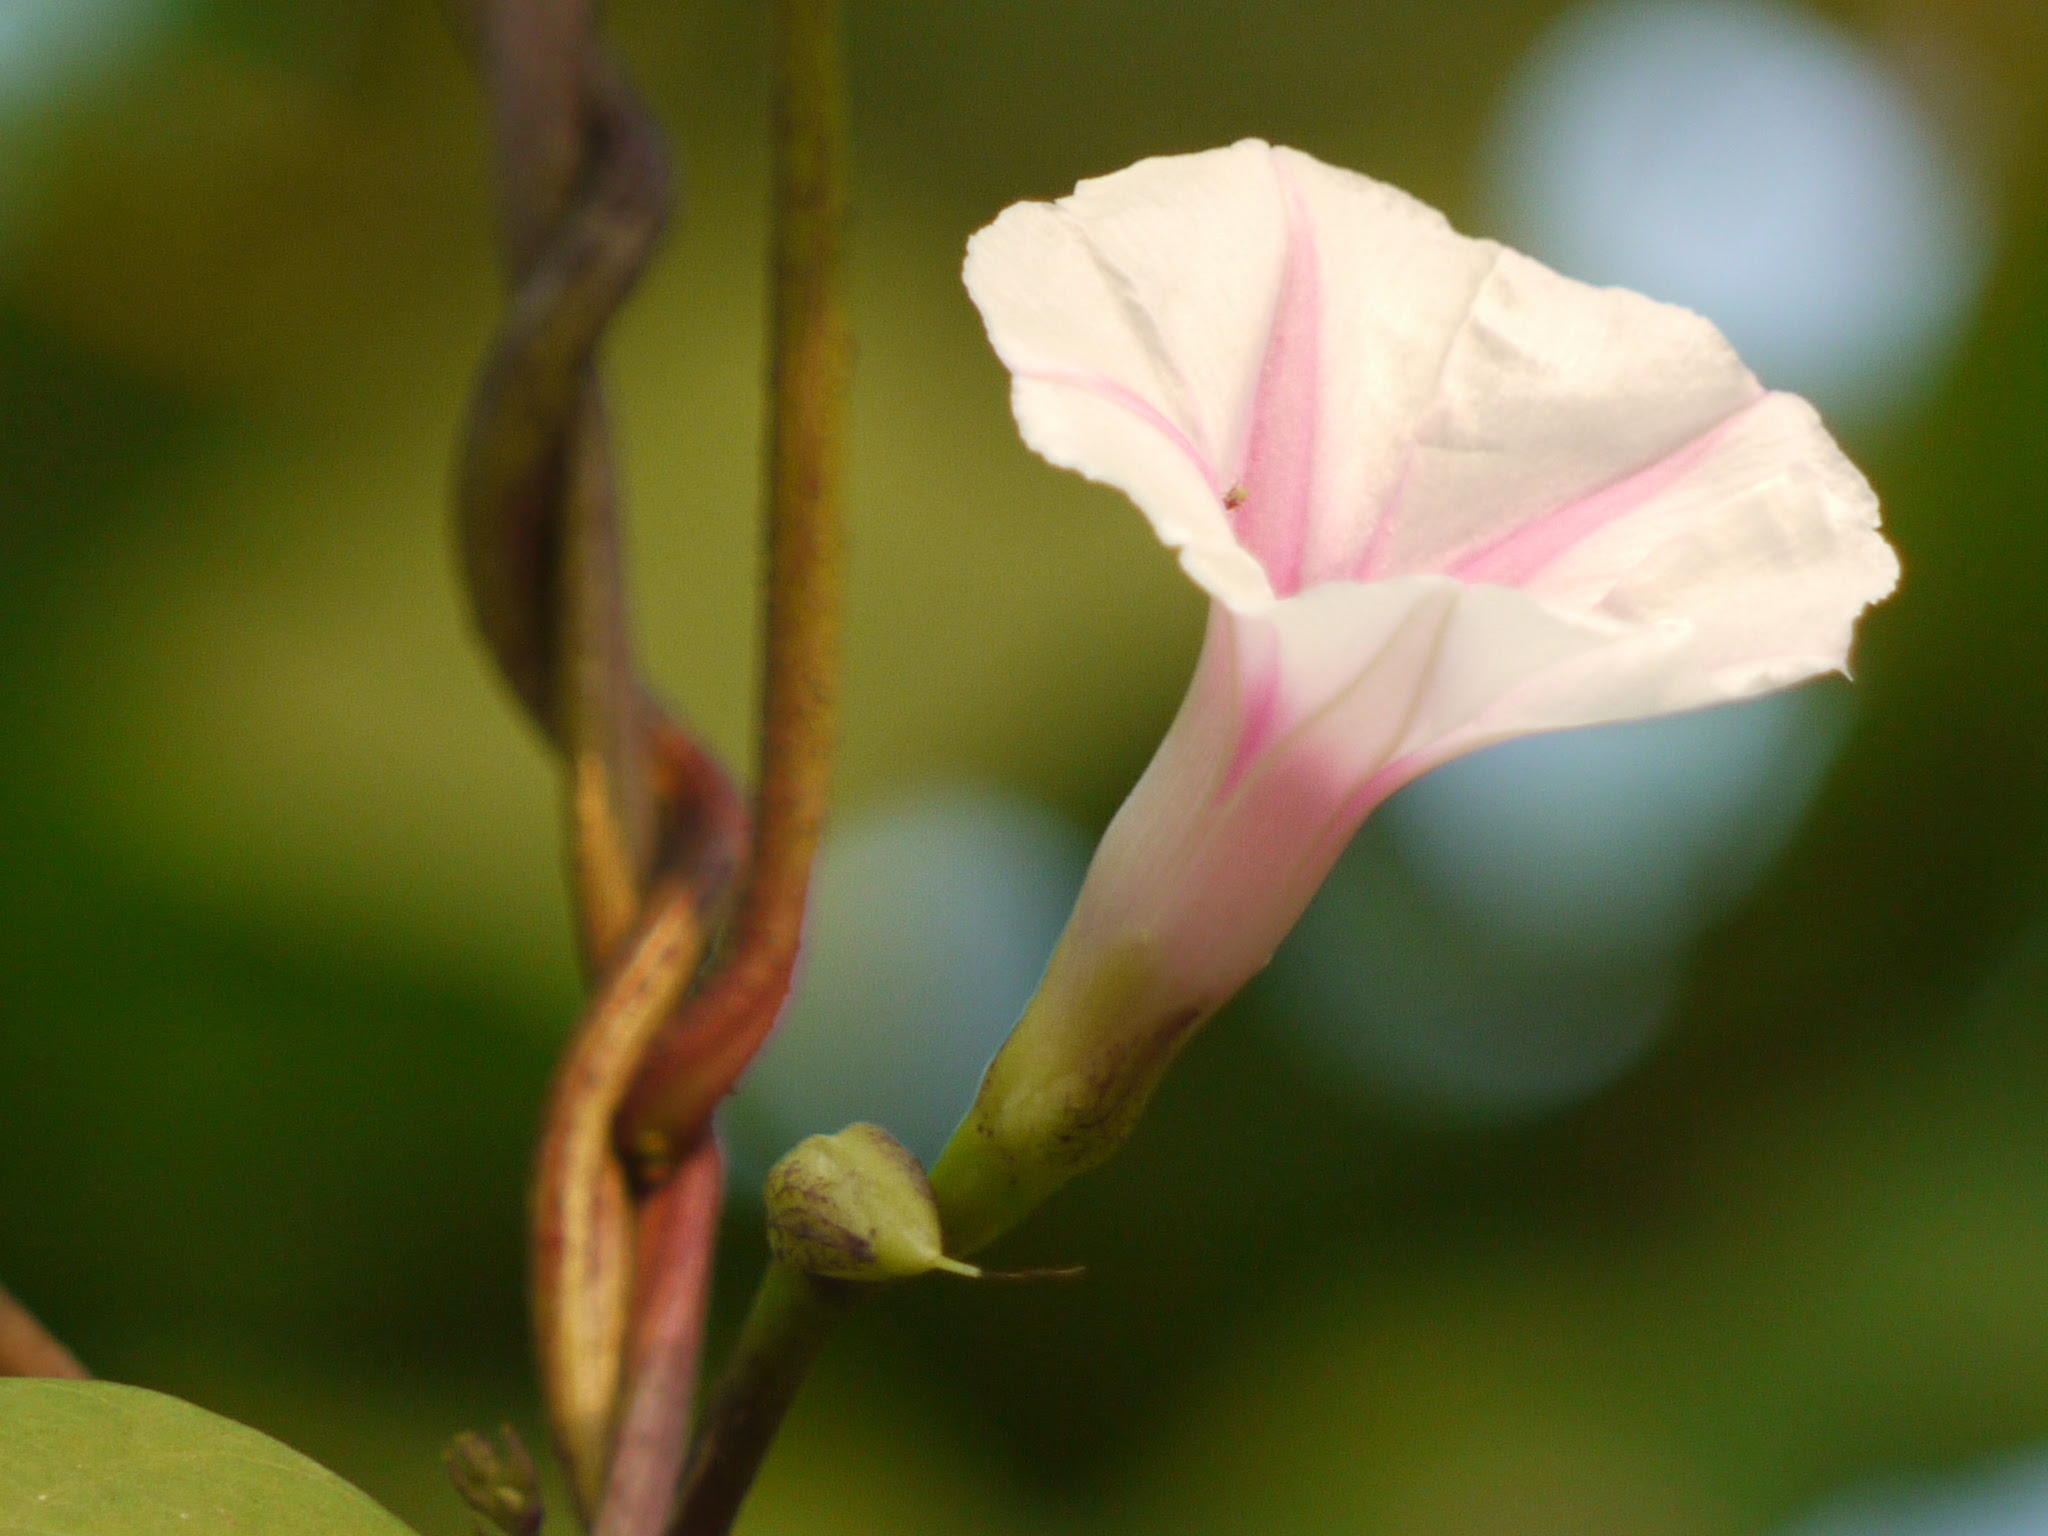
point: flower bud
(855, 1206)
(499, 1482)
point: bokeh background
(1646, 1133)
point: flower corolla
(1438, 495)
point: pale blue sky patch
(48, 46)
(1755, 163)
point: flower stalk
(787, 1328)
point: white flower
(1438, 495)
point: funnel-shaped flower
(1439, 496)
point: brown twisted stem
(655, 827)
(593, 1325)
(535, 501)
(583, 1240)
(583, 1218)
(27, 1348)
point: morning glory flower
(1438, 496)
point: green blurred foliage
(285, 955)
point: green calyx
(855, 1206)
(1067, 1088)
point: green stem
(697, 1060)
(786, 1330)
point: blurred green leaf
(88, 1458)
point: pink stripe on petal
(1137, 405)
(1516, 557)
(1257, 680)
(1278, 484)
(1372, 562)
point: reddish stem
(678, 1235)
(27, 1348)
